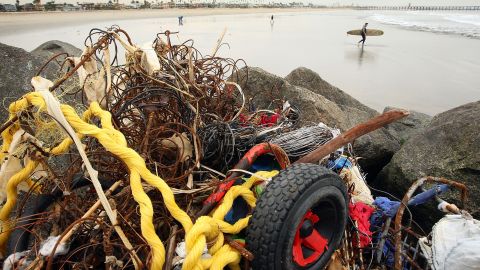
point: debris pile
(158, 163)
(168, 116)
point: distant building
(7, 8)
(69, 7)
(135, 4)
(32, 7)
(163, 4)
(52, 6)
(87, 6)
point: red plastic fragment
(315, 242)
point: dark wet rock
(448, 147)
(376, 148)
(409, 126)
(53, 47)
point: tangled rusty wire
(181, 113)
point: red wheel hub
(308, 244)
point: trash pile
(119, 176)
(158, 163)
(379, 236)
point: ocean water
(458, 23)
(425, 61)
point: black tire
(19, 240)
(281, 208)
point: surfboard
(370, 32)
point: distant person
(180, 20)
(271, 19)
(364, 34)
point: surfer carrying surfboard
(364, 34)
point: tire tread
(273, 208)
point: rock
(376, 148)
(307, 78)
(17, 69)
(409, 126)
(19, 66)
(52, 47)
(263, 87)
(448, 147)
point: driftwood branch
(353, 134)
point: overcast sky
(324, 2)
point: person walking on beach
(180, 20)
(364, 34)
(271, 19)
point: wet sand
(13, 22)
(423, 71)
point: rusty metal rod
(101, 42)
(353, 134)
(9, 123)
(406, 198)
(243, 251)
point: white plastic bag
(456, 243)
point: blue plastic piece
(265, 163)
(339, 163)
(425, 196)
(385, 207)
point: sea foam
(447, 23)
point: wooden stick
(219, 42)
(90, 211)
(353, 134)
(135, 259)
(171, 248)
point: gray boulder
(19, 66)
(376, 148)
(53, 47)
(309, 79)
(409, 126)
(263, 87)
(448, 147)
(17, 69)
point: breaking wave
(466, 19)
(448, 23)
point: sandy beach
(430, 68)
(13, 22)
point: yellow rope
(226, 256)
(212, 228)
(206, 228)
(7, 208)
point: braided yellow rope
(7, 208)
(205, 229)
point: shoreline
(13, 22)
(314, 38)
